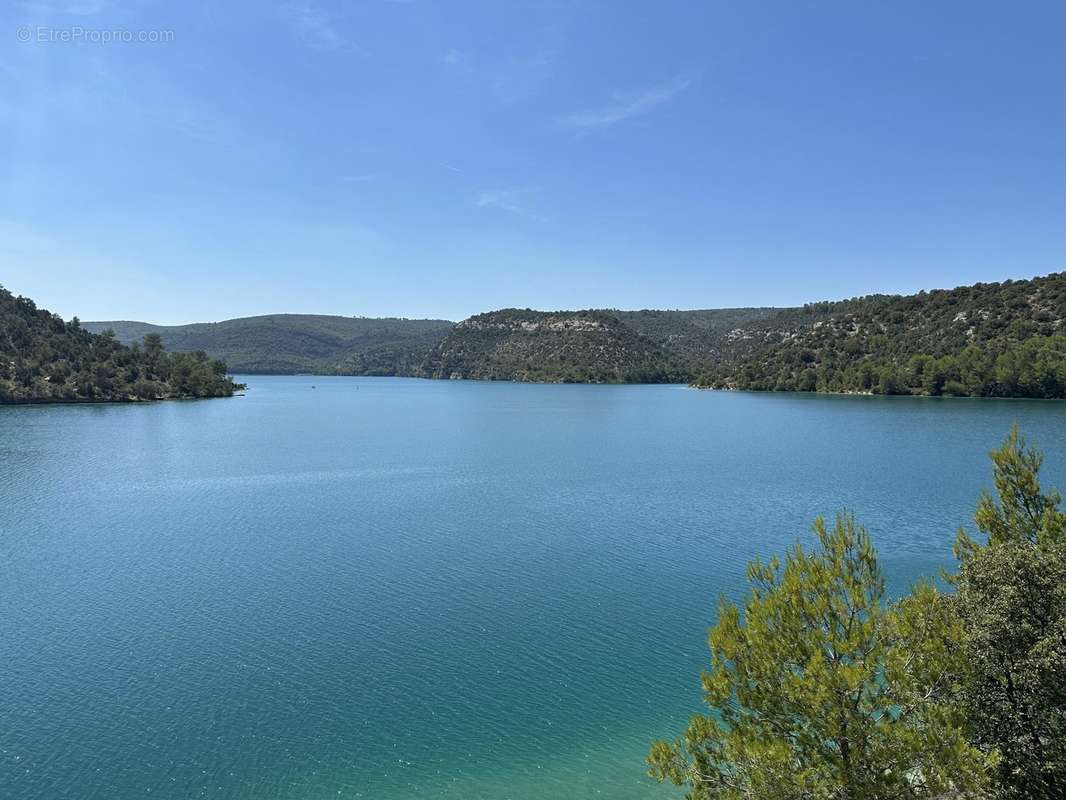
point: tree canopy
(46, 360)
(1011, 599)
(822, 689)
(986, 340)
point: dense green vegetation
(301, 343)
(558, 346)
(823, 689)
(632, 346)
(693, 340)
(1011, 597)
(592, 346)
(1003, 339)
(46, 360)
(996, 339)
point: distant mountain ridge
(999, 339)
(595, 346)
(299, 343)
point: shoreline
(685, 384)
(875, 394)
(116, 401)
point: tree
(975, 368)
(824, 690)
(1011, 598)
(153, 349)
(890, 382)
(808, 380)
(1020, 512)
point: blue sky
(436, 159)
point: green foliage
(823, 690)
(46, 360)
(554, 347)
(692, 341)
(301, 343)
(665, 345)
(1011, 598)
(999, 339)
(592, 346)
(1021, 512)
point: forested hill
(990, 339)
(693, 340)
(592, 346)
(618, 346)
(999, 339)
(301, 343)
(548, 346)
(46, 360)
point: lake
(390, 588)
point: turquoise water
(390, 588)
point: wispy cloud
(627, 105)
(500, 199)
(313, 25)
(509, 200)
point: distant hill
(511, 344)
(46, 360)
(592, 346)
(549, 346)
(995, 339)
(990, 339)
(300, 343)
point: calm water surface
(390, 588)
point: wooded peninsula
(46, 360)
